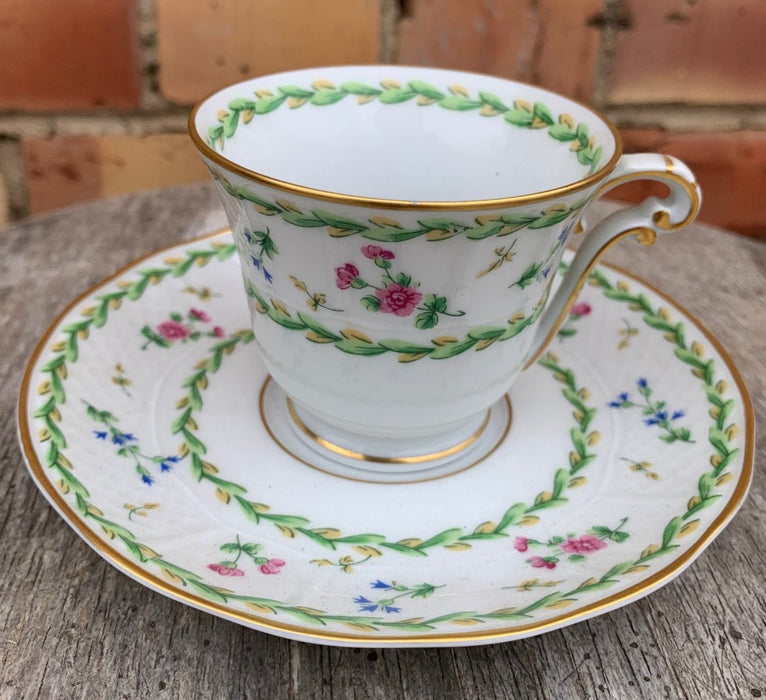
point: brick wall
(94, 93)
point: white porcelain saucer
(630, 447)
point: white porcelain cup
(398, 231)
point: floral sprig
(397, 294)
(394, 592)
(530, 584)
(347, 562)
(642, 467)
(503, 254)
(178, 328)
(656, 413)
(127, 445)
(261, 245)
(120, 379)
(540, 271)
(140, 511)
(316, 300)
(251, 550)
(202, 293)
(356, 342)
(626, 334)
(577, 548)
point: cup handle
(643, 221)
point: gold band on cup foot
(285, 426)
(410, 459)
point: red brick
(206, 44)
(680, 51)
(730, 167)
(79, 54)
(68, 170)
(60, 171)
(133, 163)
(553, 43)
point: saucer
(626, 449)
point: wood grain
(71, 626)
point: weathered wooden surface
(71, 626)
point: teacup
(399, 229)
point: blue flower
(365, 604)
(248, 237)
(563, 235)
(662, 415)
(100, 434)
(620, 401)
(256, 262)
(677, 414)
(642, 383)
(381, 584)
(267, 275)
(546, 272)
(119, 438)
(651, 421)
(147, 479)
(166, 464)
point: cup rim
(385, 203)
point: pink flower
(584, 544)
(540, 563)
(581, 308)
(272, 566)
(173, 330)
(520, 544)
(225, 570)
(375, 251)
(199, 315)
(218, 332)
(398, 300)
(345, 275)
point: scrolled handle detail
(644, 222)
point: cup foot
(343, 453)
